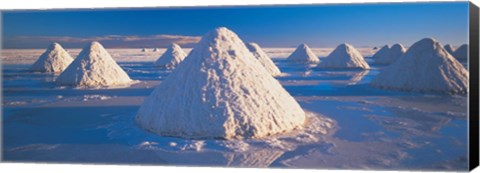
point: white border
(76, 4)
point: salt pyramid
(461, 53)
(93, 67)
(303, 54)
(155, 49)
(220, 91)
(54, 59)
(261, 56)
(395, 52)
(448, 48)
(172, 57)
(425, 67)
(144, 50)
(345, 56)
(384, 51)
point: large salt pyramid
(303, 54)
(264, 59)
(384, 51)
(448, 48)
(220, 91)
(395, 52)
(345, 56)
(425, 67)
(54, 59)
(461, 53)
(172, 57)
(93, 67)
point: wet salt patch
(35, 147)
(15, 103)
(96, 97)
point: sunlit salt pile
(391, 55)
(425, 67)
(144, 50)
(264, 59)
(155, 49)
(220, 91)
(54, 59)
(172, 57)
(345, 56)
(93, 67)
(461, 53)
(384, 51)
(448, 48)
(303, 54)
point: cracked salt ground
(370, 128)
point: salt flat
(369, 128)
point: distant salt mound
(264, 59)
(220, 91)
(155, 49)
(345, 56)
(395, 52)
(425, 67)
(303, 54)
(144, 50)
(93, 67)
(172, 57)
(461, 53)
(384, 51)
(449, 48)
(55, 59)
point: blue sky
(270, 26)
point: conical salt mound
(155, 49)
(220, 91)
(172, 57)
(425, 67)
(54, 59)
(384, 51)
(303, 54)
(345, 56)
(461, 53)
(258, 53)
(93, 67)
(395, 52)
(448, 48)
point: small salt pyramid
(172, 57)
(220, 91)
(93, 67)
(448, 48)
(384, 51)
(395, 52)
(345, 56)
(425, 67)
(461, 53)
(303, 54)
(144, 50)
(264, 59)
(55, 59)
(155, 49)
